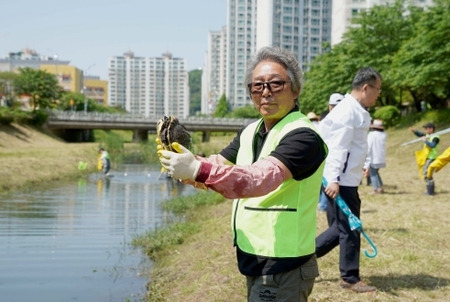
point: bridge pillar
(140, 135)
(205, 136)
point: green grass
(409, 229)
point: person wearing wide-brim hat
(376, 154)
(428, 153)
(313, 118)
(377, 125)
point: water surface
(71, 241)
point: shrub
(390, 115)
(6, 116)
(39, 117)
(437, 116)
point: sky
(88, 33)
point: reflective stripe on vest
(283, 222)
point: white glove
(182, 165)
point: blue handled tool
(353, 221)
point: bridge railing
(135, 118)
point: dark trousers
(339, 233)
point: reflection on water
(71, 241)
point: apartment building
(69, 77)
(149, 86)
(300, 26)
(214, 73)
(28, 57)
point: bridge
(76, 125)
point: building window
(287, 10)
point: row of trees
(44, 92)
(408, 45)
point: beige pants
(295, 285)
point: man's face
(275, 99)
(371, 93)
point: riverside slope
(30, 157)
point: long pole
(420, 139)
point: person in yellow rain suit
(440, 162)
(428, 154)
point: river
(71, 240)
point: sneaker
(358, 287)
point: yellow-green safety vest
(433, 153)
(283, 222)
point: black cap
(429, 125)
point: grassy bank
(409, 229)
(32, 158)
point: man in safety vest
(272, 170)
(428, 154)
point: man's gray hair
(284, 57)
(366, 75)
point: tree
(248, 111)
(195, 91)
(422, 65)
(374, 38)
(42, 87)
(6, 86)
(222, 108)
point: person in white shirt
(345, 130)
(376, 155)
(335, 98)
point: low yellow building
(72, 79)
(96, 89)
(69, 77)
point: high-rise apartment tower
(149, 86)
(300, 26)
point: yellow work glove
(181, 165)
(158, 148)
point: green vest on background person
(433, 153)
